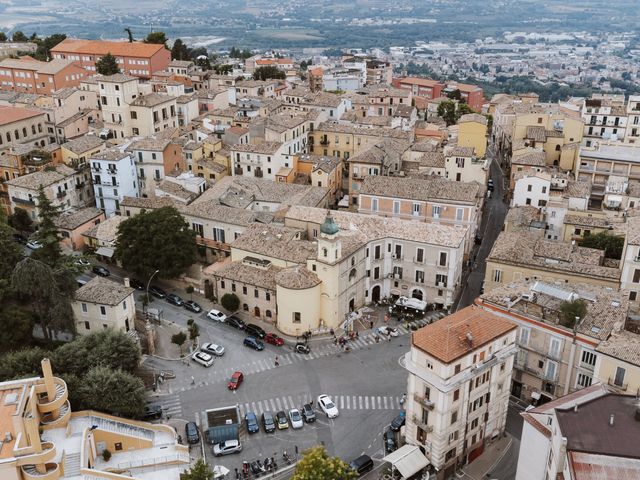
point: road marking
(273, 404)
(379, 402)
(385, 403)
(293, 404)
(278, 404)
(366, 403)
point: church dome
(329, 227)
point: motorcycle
(302, 348)
(286, 458)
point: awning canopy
(408, 460)
(105, 252)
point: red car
(274, 339)
(235, 381)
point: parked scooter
(302, 348)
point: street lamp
(149, 283)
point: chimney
(126, 282)
(575, 407)
(612, 418)
(470, 339)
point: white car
(34, 244)
(295, 418)
(227, 447)
(213, 349)
(384, 330)
(327, 406)
(216, 315)
(203, 359)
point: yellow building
(578, 225)
(79, 151)
(618, 362)
(44, 440)
(472, 132)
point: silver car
(227, 447)
(213, 349)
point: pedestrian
(357, 334)
(311, 403)
(237, 475)
(371, 324)
(377, 339)
(277, 362)
(389, 338)
(386, 318)
(193, 380)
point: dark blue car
(252, 422)
(254, 343)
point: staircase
(121, 428)
(72, 464)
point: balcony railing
(22, 201)
(424, 401)
(418, 421)
(61, 194)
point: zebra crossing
(171, 405)
(343, 402)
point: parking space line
(285, 403)
(379, 403)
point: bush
(230, 302)
(106, 455)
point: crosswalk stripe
(341, 401)
(385, 402)
(360, 404)
(293, 405)
(278, 404)
(273, 404)
(366, 403)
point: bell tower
(329, 245)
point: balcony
(80, 185)
(324, 141)
(61, 194)
(22, 201)
(424, 401)
(45, 404)
(418, 421)
(550, 377)
(622, 387)
(112, 171)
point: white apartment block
(459, 371)
(262, 160)
(114, 177)
(531, 189)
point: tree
(18, 36)
(447, 111)
(316, 464)
(112, 391)
(20, 220)
(179, 339)
(572, 311)
(107, 65)
(268, 72)
(3, 37)
(48, 233)
(10, 255)
(129, 34)
(199, 471)
(455, 94)
(179, 51)
(203, 62)
(194, 331)
(224, 69)
(21, 363)
(17, 327)
(611, 244)
(158, 38)
(241, 54)
(230, 302)
(43, 52)
(37, 283)
(156, 240)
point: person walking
(277, 362)
(371, 324)
(193, 380)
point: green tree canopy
(107, 65)
(611, 244)
(570, 310)
(199, 471)
(3, 37)
(230, 302)
(223, 69)
(179, 51)
(21, 363)
(158, 38)
(10, 255)
(43, 51)
(19, 36)
(241, 54)
(179, 339)
(316, 464)
(451, 111)
(268, 72)
(20, 220)
(48, 233)
(17, 327)
(156, 240)
(112, 391)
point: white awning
(408, 460)
(105, 252)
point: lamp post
(149, 283)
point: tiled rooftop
(83, 144)
(358, 130)
(43, 178)
(297, 278)
(263, 148)
(447, 339)
(241, 272)
(426, 189)
(151, 100)
(15, 114)
(104, 291)
(106, 232)
(623, 345)
(277, 242)
(534, 158)
(72, 220)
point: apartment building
(526, 162)
(584, 435)
(378, 71)
(23, 125)
(65, 188)
(462, 164)
(73, 113)
(633, 119)
(75, 153)
(382, 100)
(531, 189)
(102, 303)
(605, 118)
(155, 157)
(574, 197)
(630, 264)
(323, 172)
(472, 133)
(27, 75)
(113, 174)
(256, 88)
(557, 355)
(262, 160)
(459, 370)
(420, 87)
(72, 225)
(44, 439)
(526, 255)
(116, 93)
(134, 58)
(152, 113)
(430, 200)
(618, 361)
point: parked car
(137, 284)
(157, 291)
(34, 244)
(295, 418)
(192, 306)
(81, 262)
(227, 447)
(152, 411)
(255, 330)
(252, 422)
(398, 422)
(20, 238)
(384, 330)
(235, 381)
(174, 299)
(389, 441)
(203, 359)
(235, 322)
(254, 343)
(191, 432)
(216, 315)
(490, 185)
(274, 339)
(268, 422)
(281, 420)
(362, 464)
(327, 406)
(98, 270)
(213, 349)
(308, 413)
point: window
(84, 307)
(456, 395)
(419, 276)
(636, 276)
(450, 455)
(87, 326)
(374, 204)
(524, 336)
(416, 209)
(103, 310)
(420, 255)
(619, 378)
(233, 287)
(376, 273)
(296, 317)
(124, 305)
(443, 259)
(459, 214)
(267, 295)
(376, 253)
(396, 207)
(583, 380)
(435, 211)
(256, 294)
(222, 284)
(456, 369)
(529, 188)
(554, 347)
(551, 370)
(497, 276)
(244, 290)
(454, 417)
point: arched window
(268, 313)
(8, 137)
(24, 131)
(352, 274)
(16, 134)
(557, 148)
(353, 261)
(33, 129)
(245, 307)
(325, 252)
